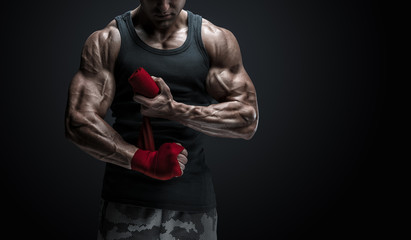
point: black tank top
(184, 69)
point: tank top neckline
(147, 47)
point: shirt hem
(168, 206)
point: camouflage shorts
(126, 221)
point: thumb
(162, 85)
(141, 99)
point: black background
(319, 68)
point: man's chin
(163, 24)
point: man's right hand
(164, 164)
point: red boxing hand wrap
(143, 84)
(161, 164)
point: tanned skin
(161, 24)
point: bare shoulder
(101, 49)
(220, 43)
(216, 34)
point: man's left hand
(160, 106)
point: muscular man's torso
(184, 68)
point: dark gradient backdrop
(319, 70)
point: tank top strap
(197, 25)
(121, 24)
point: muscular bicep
(91, 92)
(224, 85)
(227, 79)
(93, 86)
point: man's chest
(172, 41)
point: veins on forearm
(228, 119)
(92, 134)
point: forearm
(96, 137)
(228, 119)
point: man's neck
(160, 33)
(168, 37)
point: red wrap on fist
(161, 164)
